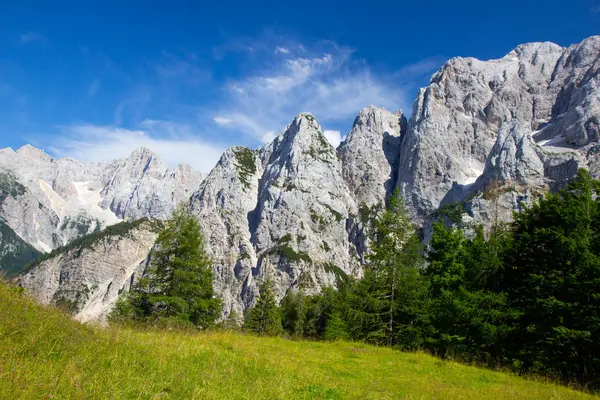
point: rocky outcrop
(141, 186)
(87, 276)
(527, 120)
(371, 153)
(286, 211)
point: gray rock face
(88, 280)
(529, 117)
(60, 200)
(367, 160)
(141, 186)
(283, 212)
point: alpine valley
(483, 138)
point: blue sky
(93, 80)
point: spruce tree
(386, 305)
(469, 315)
(293, 313)
(553, 279)
(336, 328)
(178, 285)
(264, 318)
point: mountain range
(483, 138)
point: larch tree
(177, 287)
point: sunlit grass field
(44, 354)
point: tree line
(524, 296)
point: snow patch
(89, 200)
(57, 204)
(86, 201)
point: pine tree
(177, 287)
(264, 318)
(293, 313)
(554, 279)
(469, 315)
(336, 328)
(386, 304)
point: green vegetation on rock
(245, 164)
(340, 275)
(15, 253)
(10, 187)
(336, 215)
(289, 253)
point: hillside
(45, 354)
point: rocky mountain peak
(302, 127)
(370, 154)
(33, 153)
(301, 142)
(142, 161)
(586, 52)
(533, 50)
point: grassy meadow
(46, 355)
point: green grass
(44, 354)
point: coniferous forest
(524, 296)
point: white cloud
(326, 81)
(173, 143)
(333, 137)
(281, 50)
(30, 37)
(595, 10)
(269, 136)
(221, 120)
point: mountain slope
(86, 276)
(15, 252)
(47, 202)
(46, 354)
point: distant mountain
(47, 202)
(483, 138)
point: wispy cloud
(173, 143)
(30, 37)
(326, 80)
(410, 73)
(93, 88)
(222, 120)
(595, 10)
